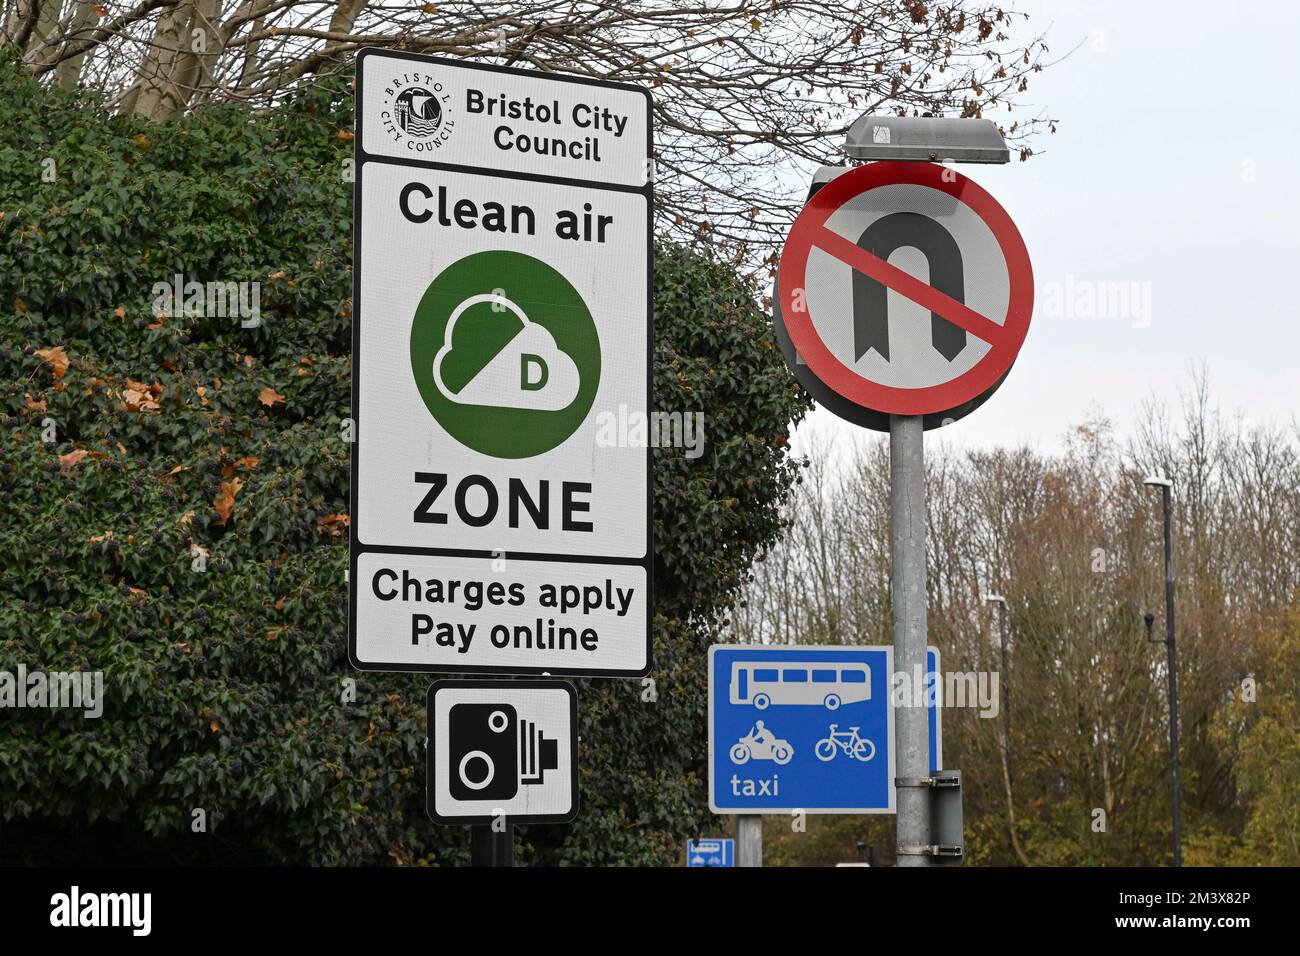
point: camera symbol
(494, 752)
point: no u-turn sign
(905, 289)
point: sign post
(749, 839)
(488, 847)
(903, 296)
(908, 598)
(501, 317)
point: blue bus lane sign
(711, 852)
(807, 728)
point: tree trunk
(173, 66)
(68, 73)
(46, 24)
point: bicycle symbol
(846, 740)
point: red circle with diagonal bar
(1004, 338)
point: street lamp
(915, 139)
(1166, 490)
(931, 139)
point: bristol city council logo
(416, 112)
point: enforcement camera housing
(494, 752)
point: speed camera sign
(502, 751)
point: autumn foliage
(1072, 538)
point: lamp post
(1166, 489)
(914, 139)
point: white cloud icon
(530, 372)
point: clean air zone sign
(501, 313)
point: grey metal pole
(749, 839)
(908, 596)
(1173, 674)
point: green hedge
(224, 687)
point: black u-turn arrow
(870, 309)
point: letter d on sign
(528, 361)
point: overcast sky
(1176, 171)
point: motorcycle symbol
(848, 741)
(761, 744)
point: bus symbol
(764, 684)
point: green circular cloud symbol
(505, 354)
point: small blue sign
(714, 852)
(807, 728)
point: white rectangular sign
(501, 332)
(502, 750)
(495, 118)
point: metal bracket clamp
(927, 782)
(943, 793)
(933, 849)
